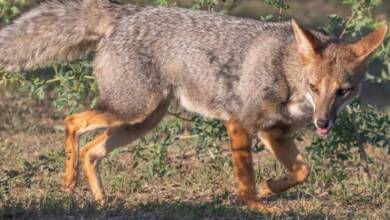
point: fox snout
(324, 126)
(323, 123)
(327, 106)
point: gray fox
(263, 80)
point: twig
(30, 169)
(79, 195)
(178, 116)
(211, 154)
(25, 172)
(362, 151)
(348, 21)
(281, 11)
(184, 137)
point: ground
(193, 182)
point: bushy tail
(55, 31)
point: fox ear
(306, 43)
(365, 46)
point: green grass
(192, 182)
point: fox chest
(299, 110)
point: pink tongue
(322, 131)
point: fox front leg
(243, 166)
(285, 150)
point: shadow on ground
(57, 209)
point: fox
(263, 80)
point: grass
(191, 182)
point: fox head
(334, 72)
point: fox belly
(204, 107)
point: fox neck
(296, 78)
(293, 69)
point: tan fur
(118, 133)
(369, 43)
(284, 149)
(75, 126)
(338, 67)
(243, 166)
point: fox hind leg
(76, 125)
(110, 139)
(287, 153)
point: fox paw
(69, 183)
(264, 189)
(261, 207)
(102, 201)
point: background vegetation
(183, 168)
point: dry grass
(196, 182)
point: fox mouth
(323, 132)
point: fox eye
(343, 92)
(313, 88)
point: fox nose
(323, 123)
